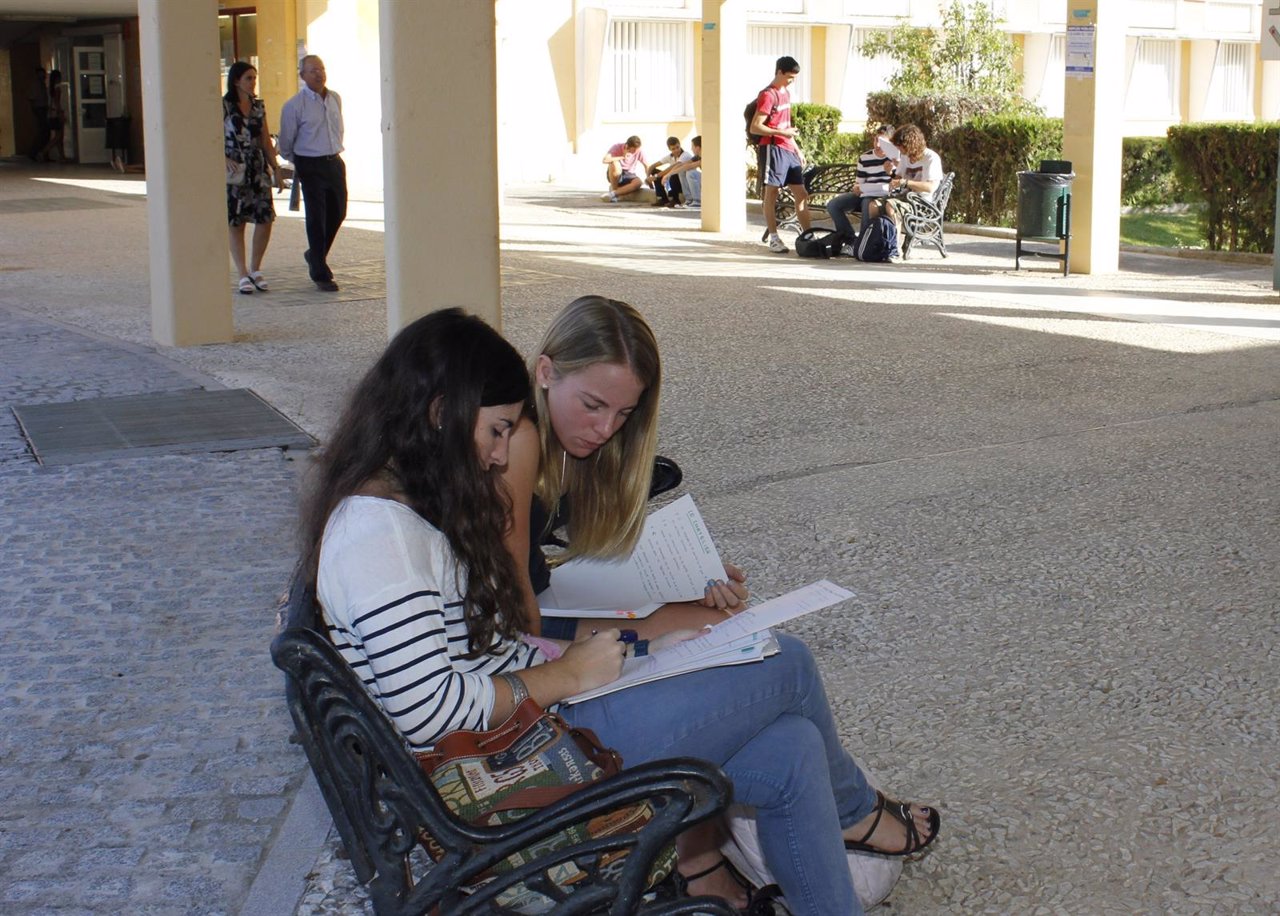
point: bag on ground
(818, 243)
(879, 240)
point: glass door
(90, 87)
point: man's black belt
(300, 158)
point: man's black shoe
(327, 285)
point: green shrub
(1232, 168)
(1146, 174)
(986, 153)
(846, 148)
(817, 127)
(932, 112)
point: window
(1153, 80)
(1053, 12)
(649, 69)
(1052, 85)
(766, 43)
(861, 8)
(237, 39)
(1230, 92)
(863, 75)
(1230, 17)
(775, 6)
(1153, 14)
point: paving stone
(1059, 519)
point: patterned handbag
(532, 760)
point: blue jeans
(769, 726)
(840, 207)
(693, 185)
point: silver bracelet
(519, 692)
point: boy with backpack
(779, 158)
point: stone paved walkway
(1056, 500)
(145, 761)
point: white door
(90, 111)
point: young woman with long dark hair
(403, 537)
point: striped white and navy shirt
(392, 602)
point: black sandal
(901, 812)
(759, 900)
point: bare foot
(715, 880)
(889, 835)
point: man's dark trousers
(324, 193)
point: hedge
(986, 154)
(1232, 168)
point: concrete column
(724, 93)
(186, 195)
(277, 55)
(440, 158)
(1091, 131)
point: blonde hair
(607, 490)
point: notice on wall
(1080, 51)
(1270, 30)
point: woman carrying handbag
(252, 168)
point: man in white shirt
(311, 138)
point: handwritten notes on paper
(672, 562)
(742, 638)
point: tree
(967, 54)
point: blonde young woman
(403, 538)
(587, 457)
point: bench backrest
(381, 802)
(942, 195)
(378, 796)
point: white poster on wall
(1271, 30)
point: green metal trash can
(1044, 211)
(1042, 204)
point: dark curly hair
(412, 420)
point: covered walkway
(1055, 499)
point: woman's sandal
(901, 812)
(258, 280)
(245, 286)
(759, 900)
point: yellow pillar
(277, 55)
(186, 196)
(726, 88)
(1091, 131)
(440, 158)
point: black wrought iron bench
(381, 802)
(922, 217)
(823, 182)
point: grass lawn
(1166, 230)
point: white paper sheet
(672, 562)
(737, 640)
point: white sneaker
(776, 244)
(609, 197)
(895, 259)
(849, 250)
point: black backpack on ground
(819, 243)
(879, 240)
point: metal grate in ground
(173, 422)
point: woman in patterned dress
(250, 153)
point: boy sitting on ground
(626, 164)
